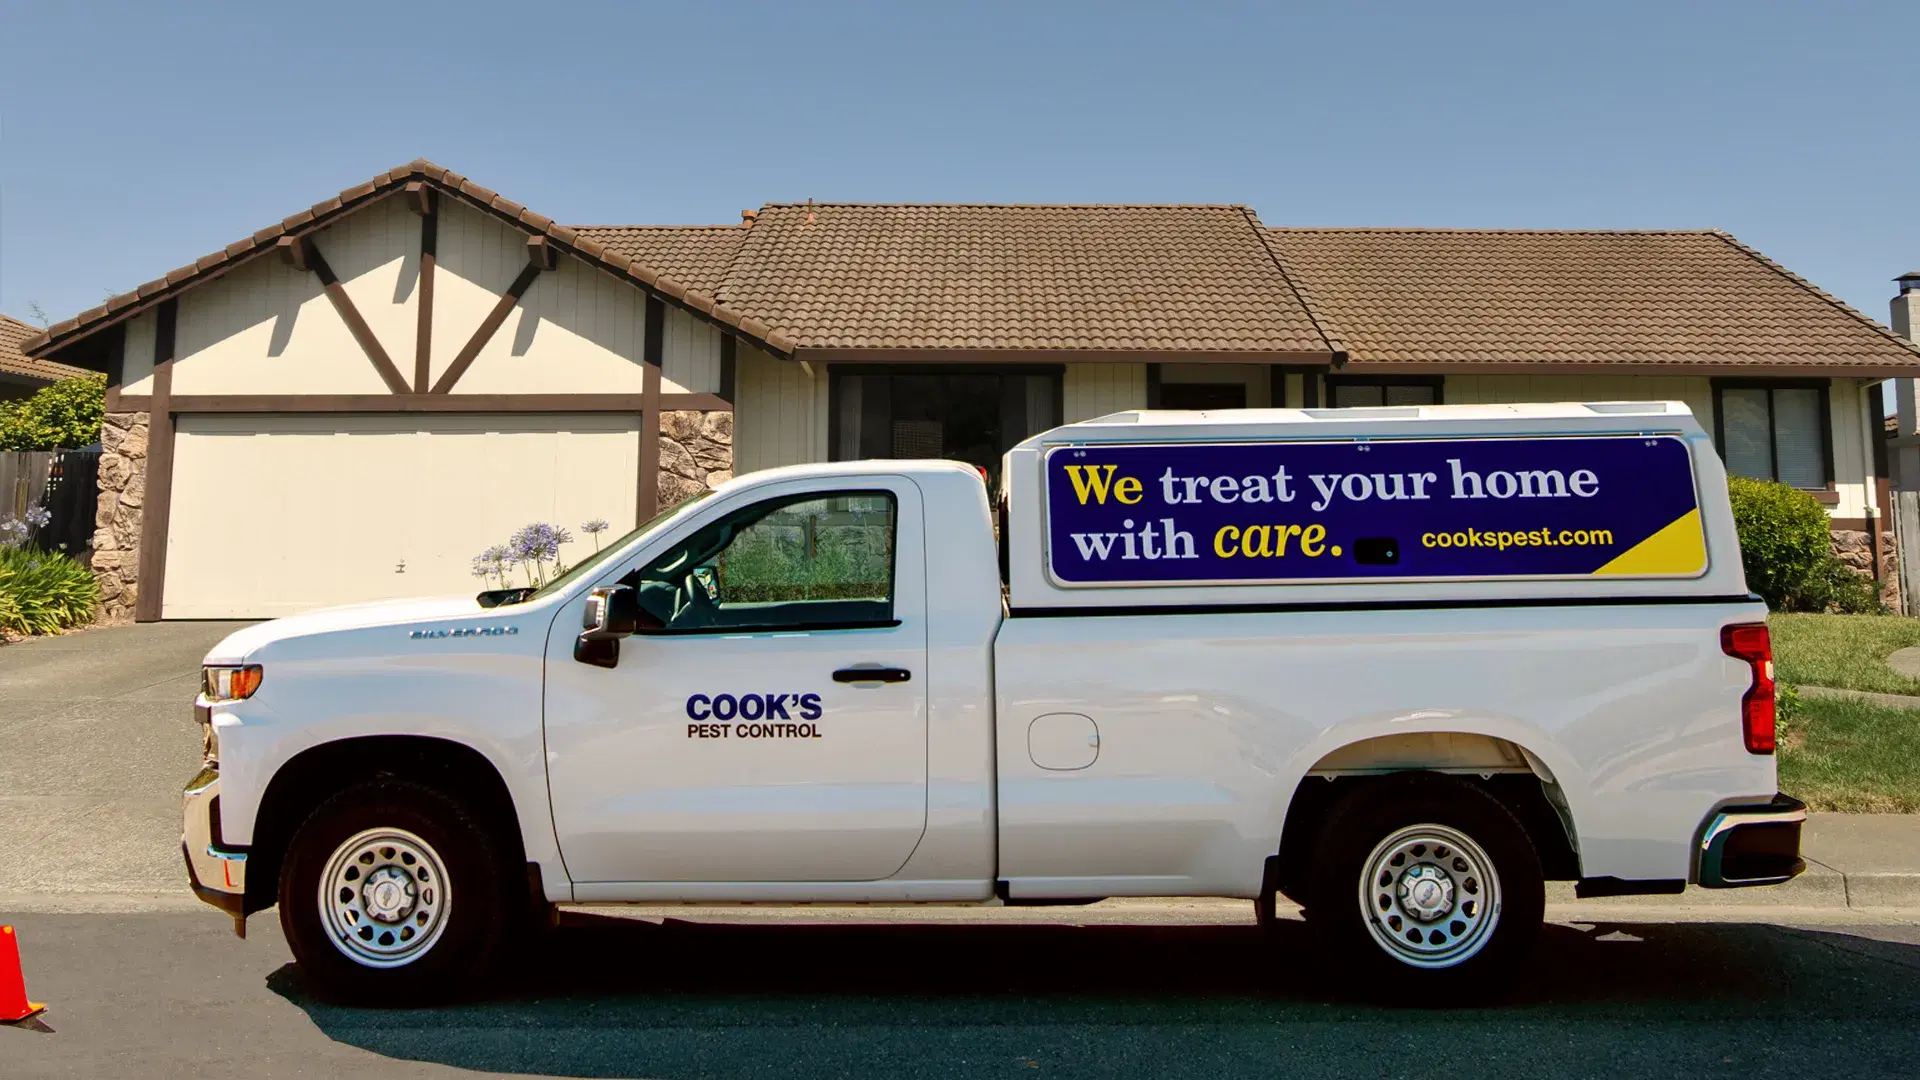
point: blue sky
(136, 138)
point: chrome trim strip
(1732, 819)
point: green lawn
(1848, 652)
(1842, 754)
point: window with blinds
(1342, 394)
(1775, 433)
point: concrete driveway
(96, 740)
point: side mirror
(612, 613)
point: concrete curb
(1891, 701)
(1820, 887)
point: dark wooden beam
(541, 255)
(295, 252)
(464, 359)
(729, 366)
(420, 197)
(429, 258)
(357, 326)
(157, 500)
(180, 404)
(1277, 386)
(817, 357)
(653, 349)
(1153, 386)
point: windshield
(587, 564)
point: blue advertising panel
(1235, 513)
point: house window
(1184, 395)
(1775, 431)
(971, 414)
(1360, 391)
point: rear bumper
(218, 874)
(1751, 845)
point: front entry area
(273, 514)
(962, 413)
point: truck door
(774, 726)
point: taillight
(1750, 642)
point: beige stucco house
(350, 404)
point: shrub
(1785, 540)
(41, 591)
(1833, 586)
(65, 414)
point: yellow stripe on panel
(1679, 548)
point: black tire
(481, 900)
(1469, 953)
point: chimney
(748, 217)
(1906, 321)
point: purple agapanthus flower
(538, 542)
(594, 528)
(492, 562)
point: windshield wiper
(502, 597)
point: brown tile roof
(449, 183)
(697, 256)
(15, 361)
(1520, 299)
(1168, 279)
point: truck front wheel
(1427, 889)
(391, 893)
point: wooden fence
(64, 483)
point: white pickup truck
(1400, 665)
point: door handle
(872, 674)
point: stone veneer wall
(1854, 549)
(696, 453)
(116, 518)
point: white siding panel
(780, 414)
(1091, 390)
(136, 364)
(691, 355)
(1697, 393)
(1849, 455)
(576, 331)
(376, 255)
(476, 259)
(1255, 377)
(377, 507)
(266, 328)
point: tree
(66, 414)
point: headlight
(230, 683)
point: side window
(801, 563)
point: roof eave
(218, 264)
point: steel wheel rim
(384, 898)
(1430, 896)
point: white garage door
(277, 514)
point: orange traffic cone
(14, 1006)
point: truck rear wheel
(1427, 889)
(391, 893)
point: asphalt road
(96, 739)
(174, 994)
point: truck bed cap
(1383, 422)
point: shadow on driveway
(620, 998)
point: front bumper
(217, 873)
(1752, 845)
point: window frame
(1058, 372)
(1824, 386)
(780, 502)
(1438, 383)
(1239, 387)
